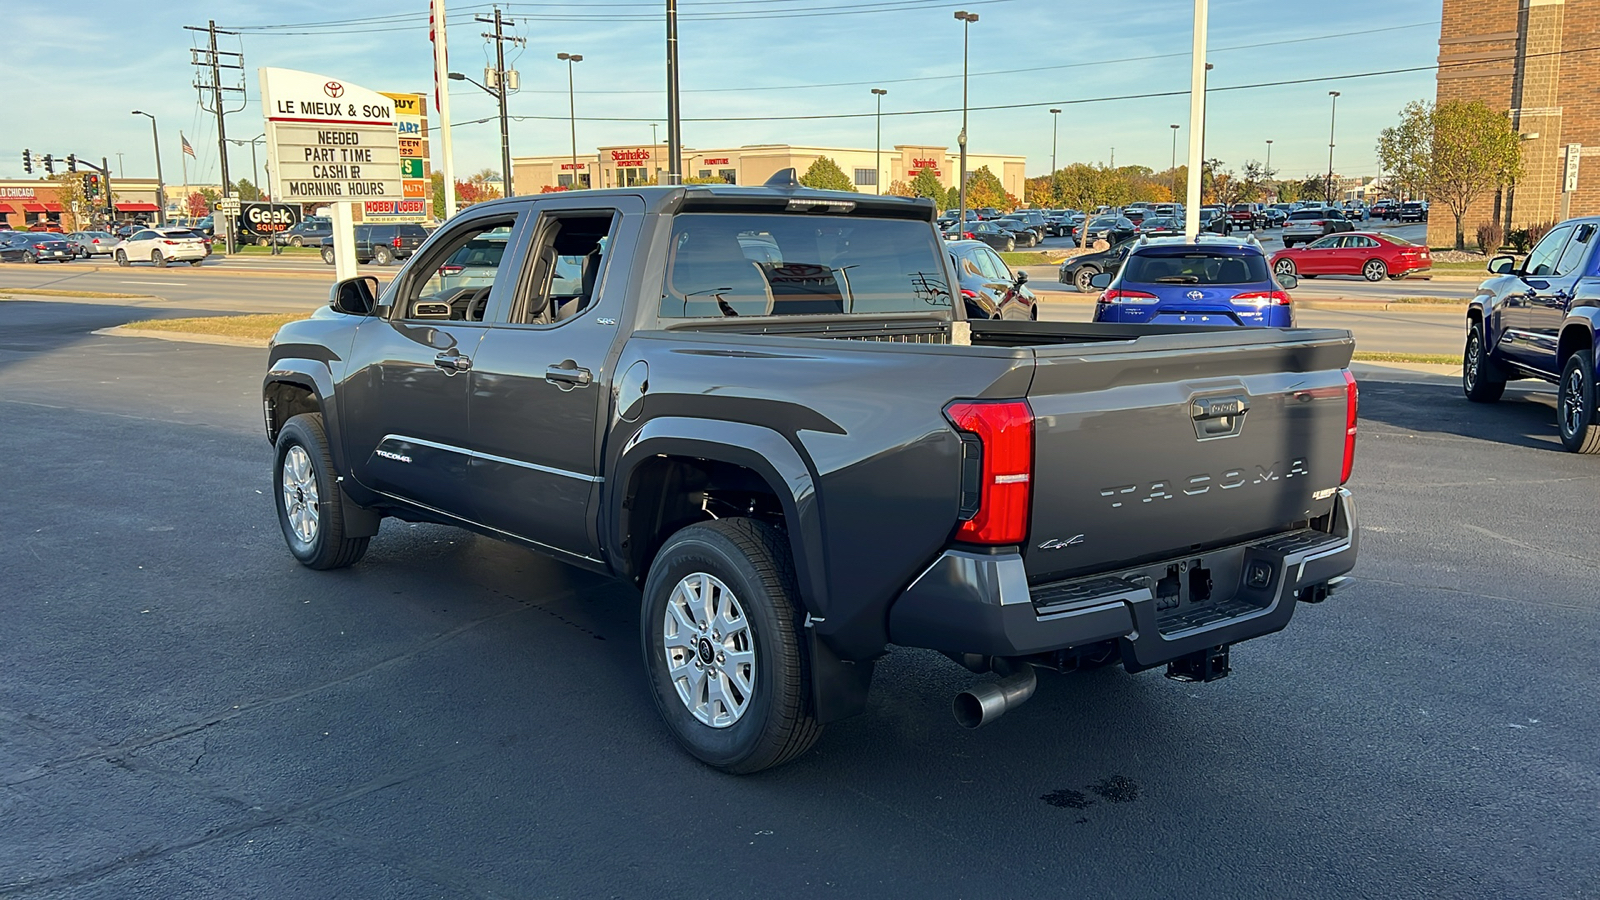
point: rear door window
(1194, 268)
(1577, 248)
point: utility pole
(674, 126)
(210, 63)
(502, 86)
(1333, 112)
(1055, 133)
(161, 185)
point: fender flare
(760, 449)
(314, 376)
(1583, 319)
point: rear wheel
(1375, 270)
(1011, 244)
(724, 648)
(1481, 379)
(29, 257)
(157, 260)
(383, 256)
(307, 496)
(1575, 404)
(1284, 267)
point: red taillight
(95, 240)
(1264, 298)
(970, 295)
(1117, 295)
(451, 270)
(41, 247)
(1004, 445)
(173, 243)
(1351, 397)
(397, 242)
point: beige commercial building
(29, 202)
(1533, 59)
(754, 164)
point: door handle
(569, 375)
(452, 362)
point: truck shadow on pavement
(1522, 418)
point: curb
(181, 337)
(220, 269)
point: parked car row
(159, 246)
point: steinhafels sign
(630, 156)
(329, 139)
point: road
(187, 713)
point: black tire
(327, 548)
(1285, 267)
(752, 560)
(1481, 379)
(29, 257)
(1575, 404)
(157, 260)
(383, 256)
(327, 255)
(195, 263)
(1288, 244)
(122, 258)
(297, 241)
(1374, 270)
(1011, 245)
(1080, 279)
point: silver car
(89, 244)
(476, 263)
(1306, 225)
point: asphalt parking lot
(186, 712)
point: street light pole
(1174, 163)
(161, 190)
(674, 126)
(966, 19)
(877, 152)
(1055, 133)
(1332, 113)
(572, 108)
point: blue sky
(73, 82)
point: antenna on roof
(784, 178)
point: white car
(161, 246)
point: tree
(211, 197)
(984, 189)
(926, 184)
(196, 205)
(473, 191)
(77, 210)
(824, 173)
(1457, 151)
(436, 191)
(246, 191)
(898, 188)
(1288, 191)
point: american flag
(186, 148)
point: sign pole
(1569, 179)
(344, 240)
(441, 103)
(1197, 123)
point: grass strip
(254, 250)
(1028, 258)
(1437, 359)
(1435, 301)
(260, 326)
(50, 292)
(1456, 268)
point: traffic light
(72, 162)
(91, 185)
(49, 164)
(27, 161)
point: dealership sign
(328, 139)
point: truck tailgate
(1152, 448)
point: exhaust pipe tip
(981, 704)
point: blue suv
(1215, 281)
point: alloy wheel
(710, 650)
(1284, 267)
(1574, 413)
(300, 497)
(1375, 270)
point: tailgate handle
(1216, 417)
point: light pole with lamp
(255, 170)
(161, 192)
(1055, 132)
(877, 152)
(572, 109)
(505, 141)
(1332, 113)
(966, 19)
(1269, 158)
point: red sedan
(1369, 254)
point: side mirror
(354, 296)
(1101, 280)
(1502, 265)
(1288, 282)
(1022, 278)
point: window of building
(728, 175)
(868, 177)
(565, 179)
(633, 176)
(705, 173)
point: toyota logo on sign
(1195, 295)
(333, 89)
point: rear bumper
(970, 602)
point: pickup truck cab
(765, 407)
(1538, 320)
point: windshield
(179, 233)
(1195, 267)
(772, 264)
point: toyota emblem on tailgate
(1195, 295)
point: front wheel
(1575, 404)
(1481, 380)
(327, 256)
(1284, 267)
(1011, 244)
(297, 241)
(1375, 270)
(122, 258)
(724, 648)
(1082, 279)
(307, 495)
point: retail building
(28, 202)
(869, 170)
(1535, 59)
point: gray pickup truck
(769, 409)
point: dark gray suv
(382, 244)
